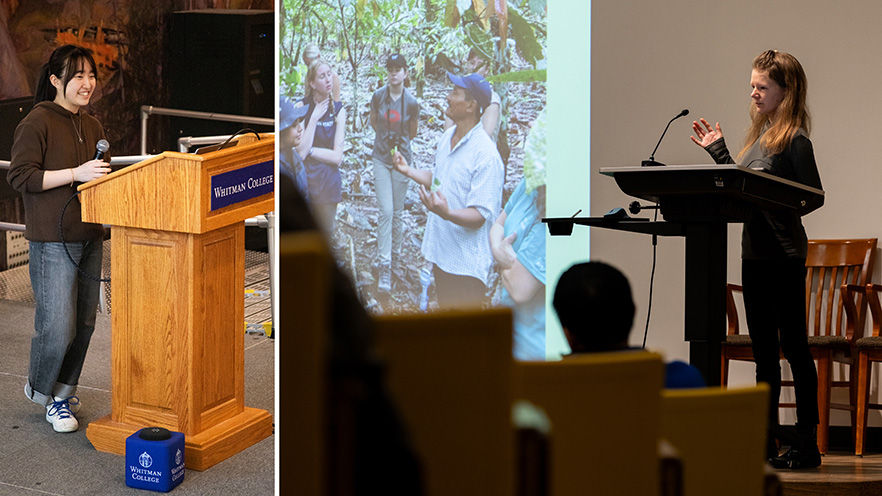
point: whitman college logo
(178, 457)
(145, 460)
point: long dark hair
(63, 64)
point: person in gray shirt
(395, 115)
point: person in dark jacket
(596, 311)
(774, 245)
(51, 154)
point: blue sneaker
(59, 415)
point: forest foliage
(356, 37)
(434, 32)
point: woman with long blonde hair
(311, 52)
(775, 245)
(321, 145)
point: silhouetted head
(594, 304)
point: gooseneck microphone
(101, 148)
(651, 162)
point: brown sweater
(46, 139)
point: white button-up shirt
(471, 175)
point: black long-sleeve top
(779, 234)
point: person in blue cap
(463, 193)
(492, 116)
(290, 133)
(395, 115)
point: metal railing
(124, 160)
(148, 110)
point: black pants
(774, 304)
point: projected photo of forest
(434, 36)
(506, 43)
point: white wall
(651, 59)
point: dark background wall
(130, 42)
(217, 57)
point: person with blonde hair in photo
(311, 52)
(774, 245)
(321, 144)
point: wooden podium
(178, 267)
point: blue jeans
(67, 302)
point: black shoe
(796, 459)
(771, 448)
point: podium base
(203, 450)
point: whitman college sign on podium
(178, 266)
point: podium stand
(697, 201)
(178, 267)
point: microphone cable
(238, 133)
(651, 280)
(69, 256)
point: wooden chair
(604, 414)
(720, 436)
(304, 289)
(450, 374)
(869, 350)
(830, 264)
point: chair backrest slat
(876, 309)
(833, 303)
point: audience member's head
(593, 302)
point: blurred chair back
(720, 437)
(450, 376)
(604, 414)
(304, 287)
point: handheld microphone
(651, 162)
(101, 148)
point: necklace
(79, 134)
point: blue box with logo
(155, 459)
